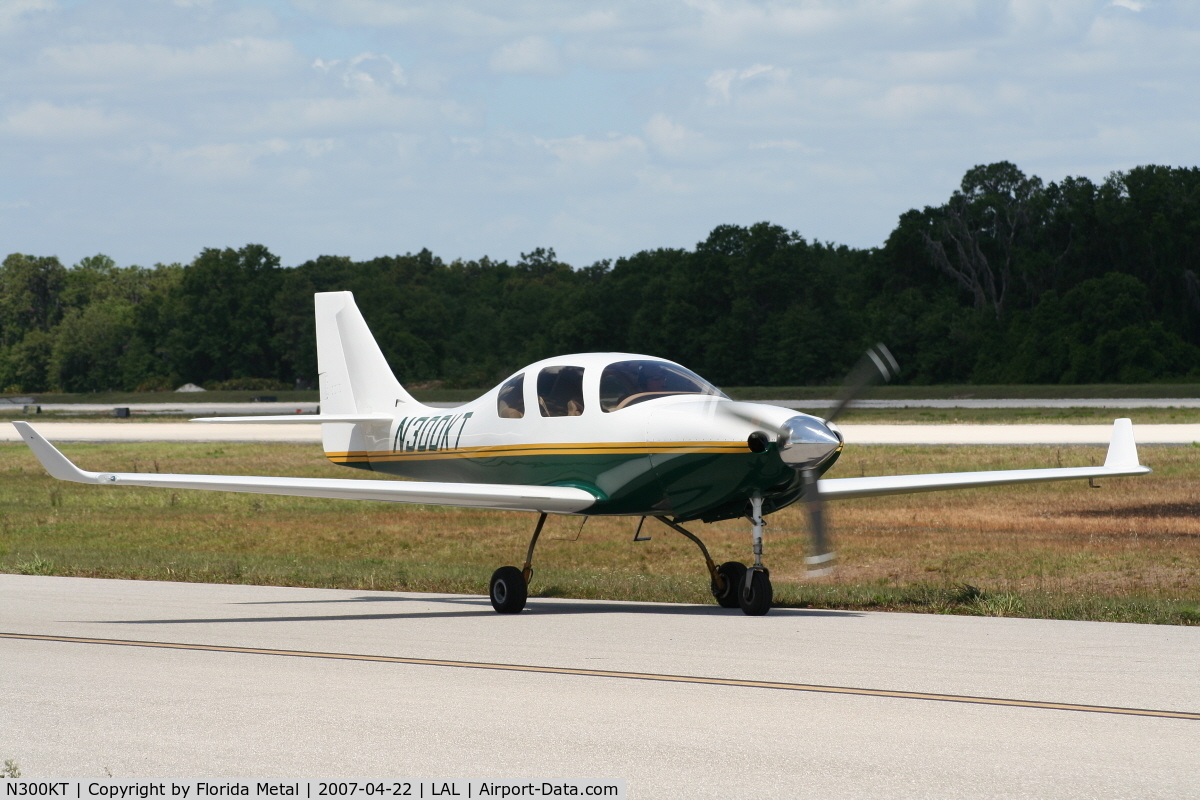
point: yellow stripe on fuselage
(522, 450)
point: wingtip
(58, 465)
(1122, 449)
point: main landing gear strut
(733, 583)
(510, 586)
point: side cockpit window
(510, 402)
(560, 391)
(627, 383)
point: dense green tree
(1011, 279)
(31, 299)
(219, 316)
(92, 347)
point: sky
(148, 130)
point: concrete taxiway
(270, 683)
(855, 434)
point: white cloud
(1132, 5)
(722, 82)
(592, 151)
(617, 57)
(43, 120)
(785, 145)
(243, 58)
(11, 11)
(909, 101)
(483, 19)
(364, 112)
(373, 13)
(366, 72)
(532, 55)
(233, 162)
(675, 141)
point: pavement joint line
(597, 673)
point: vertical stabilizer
(354, 376)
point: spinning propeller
(876, 365)
(805, 443)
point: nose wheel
(734, 585)
(755, 593)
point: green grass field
(1129, 552)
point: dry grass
(1130, 551)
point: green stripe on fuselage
(681, 485)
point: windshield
(627, 383)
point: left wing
(1122, 459)
(303, 419)
(550, 499)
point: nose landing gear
(756, 593)
(734, 585)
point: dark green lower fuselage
(682, 485)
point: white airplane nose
(806, 442)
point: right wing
(1122, 459)
(550, 499)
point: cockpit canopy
(559, 388)
(627, 383)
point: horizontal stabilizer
(550, 499)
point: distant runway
(855, 434)
(149, 680)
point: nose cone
(807, 442)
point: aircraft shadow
(480, 607)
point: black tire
(734, 573)
(508, 590)
(756, 600)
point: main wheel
(508, 590)
(755, 600)
(734, 574)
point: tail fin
(355, 377)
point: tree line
(1011, 280)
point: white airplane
(589, 434)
